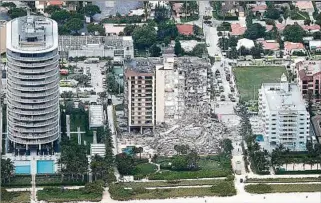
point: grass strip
(283, 180)
(282, 188)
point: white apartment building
(32, 83)
(285, 118)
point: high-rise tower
(32, 82)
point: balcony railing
(35, 89)
(36, 113)
(46, 69)
(48, 56)
(30, 141)
(35, 77)
(32, 118)
(55, 60)
(33, 95)
(36, 125)
(36, 130)
(32, 106)
(35, 136)
(28, 101)
(54, 79)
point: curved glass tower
(32, 82)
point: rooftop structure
(270, 45)
(290, 47)
(237, 29)
(286, 120)
(32, 82)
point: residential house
(270, 45)
(185, 29)
(315, 45)
(309, 76)
(112, 30)
(258, 9)
(290, 47)
(237, 29)
(311, 28)
(305, 6)
(41, 5)
(279, 26)
(229, 8)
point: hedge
(282, 188)
(281, 172)
(174, 175)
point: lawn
(81, 120)
(19, 181)
(58, 195)
(16, 197)
(282, 188)
(222, 188)
(145, 169)
(249, 79)
(55, 180)
(171, 183)
(299, 15)
(282, 180)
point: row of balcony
(19, 58)
(32, 106)
(32, 94)
(33, 118)
(54, 127)
(35, 113)
(30, 124)
(33, 141)
(54, 80)
(33, 88)
(35, 136)
(32, 101)
(45, 69)
(12, 74)
(55, 60)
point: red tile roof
(185, 29)
(259, 8)
(311, 27)
(291, 46)
(58, 3)
(279, 26)
(270, 45)
(304, 5)
(303, 75)
(237, 29)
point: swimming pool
(45, 167)
(22, 169)
(259, 138)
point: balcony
(33, 89)
(32, 118)
(54, 79)
(35, 136)
(32, 94)
(36, 130)
(19, 58)
(30, 101)
(36, 113)
(41, 70)
(36, 125)
(30, 141)
(29, 77)
(55, 60)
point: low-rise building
(290, 47)
(237, 29)
(113, 30)
(305, 6)
(285, 118)
(270, 45)
(315, 45)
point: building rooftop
(308, 68)
(292, 46)
(32, 34)
(270, 45)
(96, 116)
(283, 96)
(142, 66)
(237, 29)
(303, 5)
(185, 29)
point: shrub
(258, 188)
(230, 178)
(224, 188)
(281, 172)
(173, 175)
(118, 192)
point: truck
(238, 170)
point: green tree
(317, 35)
(293, 33)
(73, 159)
(61, 16)
(52, 8)
(144, 37)
(227, 146)
(179, 163)
(272, 13)
(162, 14)
(125, 164)
(255, 31)
(192, 159)
(129, 29)
(307, 22)
(99, 167)
(81, 78)
(91, 10)
(92, 28)
(16, 12)
(167, 29)
(199, 50)
(9, 5)
(155, 51)
(7, 170)
(178, 48)
(74, 25)
(257, 50)
(190, 7)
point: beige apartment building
(159, 90)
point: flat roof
(96, 116)
(280, 99)
(42, 31)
